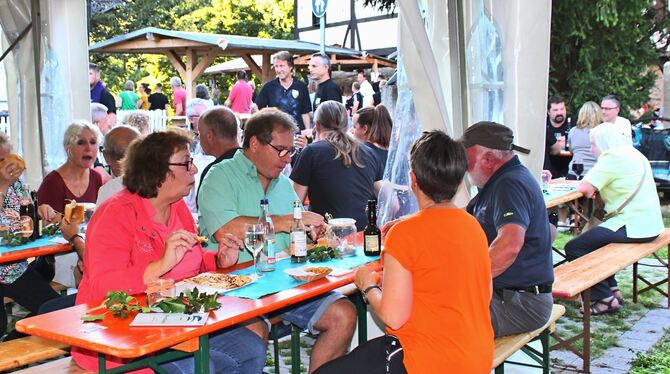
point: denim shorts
(307, 313)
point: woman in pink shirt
(146, 232)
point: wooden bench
(577, 277)
(65, 365)
(506, 346)
(24, 351)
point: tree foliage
(257, 18)
(601, 47)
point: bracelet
(71, 240)
(367, 290)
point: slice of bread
(13, 157)
(74, 211)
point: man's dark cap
(491, 135)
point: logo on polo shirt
(508, 214)
(295, 93)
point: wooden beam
(267, 68)
(253, 66)
(129, 45)
(204, 63)
(176, 61)
(191, 60)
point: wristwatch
(367, 290)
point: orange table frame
(120, 340)
(23, 254)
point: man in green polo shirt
(230, 197)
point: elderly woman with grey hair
(623, 179)
(129, 99)
(74, 180)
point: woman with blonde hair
(140, 122)
(590, 116)
(336, 171)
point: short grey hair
(613, 99)
(175, 81)
(73, 132)
(98, 112)
(325, 60)
(129, 86)
(193, 103)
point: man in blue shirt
(512, 212)
(286, 92)
(229, 198)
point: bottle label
(372, 243)
(271, 251)
(299, 244)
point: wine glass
(254, 239)
(578, 168)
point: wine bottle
(37, 221)
(372, 234)
(298, 235)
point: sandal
(609, 304)
(616, 292)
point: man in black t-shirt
(158, 100)
(511, 210)
(319, 69)
(100, 94)
(286, 92)
(557, 129)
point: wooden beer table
(41, 248)
(118, 339)
(565, 192)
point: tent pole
(37, 31)
(459, 87)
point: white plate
(184, 285)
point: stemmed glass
(254, 239)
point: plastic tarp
(507, 71)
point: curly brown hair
(146, 165)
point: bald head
(218, 130)
(116, 143)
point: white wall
(374, 35)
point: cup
(160, 289)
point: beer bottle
(27, 214)
(373, 238)
(37, 221)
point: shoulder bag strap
(623, 205)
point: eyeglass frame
(608, 108)
(186, 164)
(287, 152)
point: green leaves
(189, 302)
(120, 304)
(321, 254)
(602, 47)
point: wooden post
(189, 79)
(267, 68)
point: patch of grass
(656, 361)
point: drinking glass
(254, 239)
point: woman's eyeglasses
(284, 152)
(186, 164)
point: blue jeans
(234, 351)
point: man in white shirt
(610, 107)
(366, 89)
(116, 143)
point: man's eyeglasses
(284, 152)
(186, 164)
(606, 108)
